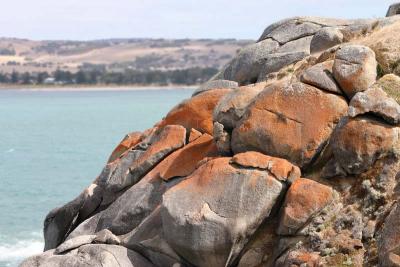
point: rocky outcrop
(288, 157)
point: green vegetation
(102, 76)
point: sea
(53, 143)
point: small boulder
(355, 69)
(320, 76)
(357, 143)
(196, 112)
(222, 139)
(290, 121)
(215, 84)
(105, 236)
(377, 102)
(304, 199)
(326, 38)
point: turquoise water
(53, 144)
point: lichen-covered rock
(281, 169)
(357, 143)
(377, 102)
(320, 76)
(216, 213)
(355, 68)
(175, 195)
(196, 112)
(304, 199)
(290, 121)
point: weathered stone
(106, 237)
(61, 220)
(216, 216)
(116, 177)
(281, 169)
(196, 112)
(247, 65)
(377, 102)
(355, 69)
(292, 31)
(183, 161)
(128, 142)
(232, 106)
(357, 143)
(303, 200)
(215, 84)
(326, 38)
(74, 243)
(393, 10)
(299, 45)
(222, 139)
(91, 256)
(149, 240)
(194, 134)
(320, 76)
(389, 239)
(290, 121)
(277, 61)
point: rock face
(287, 157)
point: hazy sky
(96, 19)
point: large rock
(377, 102)
(92, 255)
(357, 144)
(389, 239)
(215, 222)
(299, 45)
(326, 38)
(215, 84)
(320, 76)
(355, 68)
(290, 121)
(304, 199)
(196, 112)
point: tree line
(189, 76)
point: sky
(101, 19)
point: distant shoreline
(97, 87)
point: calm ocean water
(53, 144)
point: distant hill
(115, 55)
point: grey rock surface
(355, 69)
(215, 84)
(326, 38)
(320, 76)
(377, 102)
